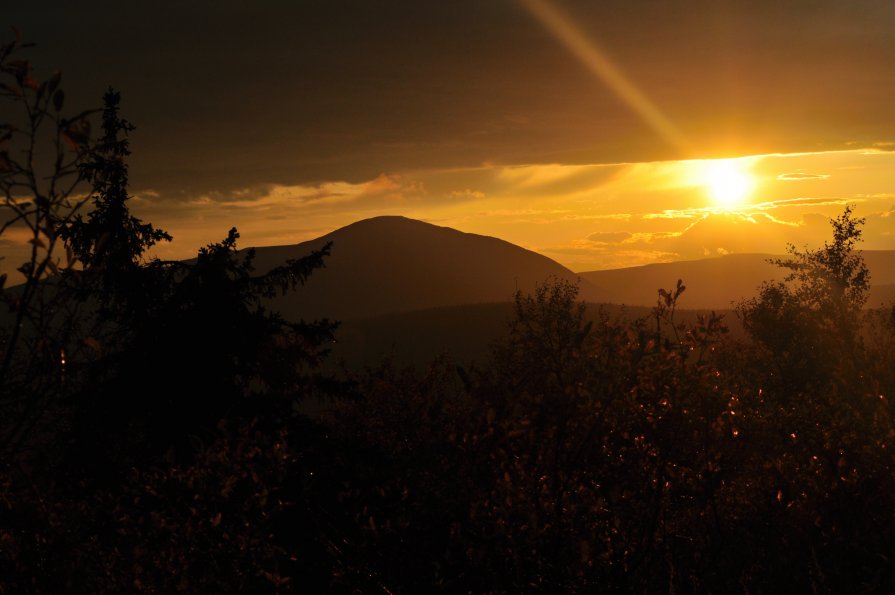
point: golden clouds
(587, 216)
(795, 176)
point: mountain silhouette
(393, 264)
(389, 264)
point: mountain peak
(391, 264)
(398, 224)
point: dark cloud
(233, 94)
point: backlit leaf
(58, 99)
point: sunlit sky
(589, 132)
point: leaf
(32, 84)
(58, 99)
(70, 142)
(11, 90)
(93, 344)
(53, 82)
(77, 134)
(37, 242)
(19, 69)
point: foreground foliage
(642, 457)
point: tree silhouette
(832, 280)
(811, 321)
(109, 241)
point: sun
(727, 182)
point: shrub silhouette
(42, 148)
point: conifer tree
(110, 241)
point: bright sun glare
(727, 183)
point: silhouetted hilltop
(721, 282)
(394, 264)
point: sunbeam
(599, 64)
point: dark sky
(229, 94)
(573, 136)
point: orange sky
(584, 216)
(566, 126)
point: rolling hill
(392, 264)
(719, 283)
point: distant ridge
(721, 282)
(392, 264)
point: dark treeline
(152, 437)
